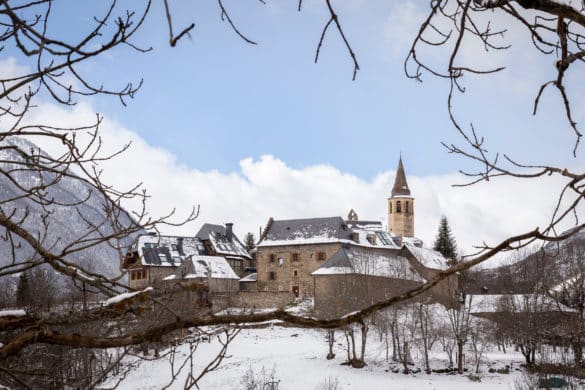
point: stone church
(349, 263)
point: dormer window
(398, 207)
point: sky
(249, 132)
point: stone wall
(252, 300)
(284, 271)
(444, 292)
(338, 295)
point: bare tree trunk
(330, 341)
(364, 329)
(405, 355)
(460, 344)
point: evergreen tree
(250, 242)
(445, 243)
(23, 290)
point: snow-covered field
(298, 359)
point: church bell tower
(401, 206)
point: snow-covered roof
(414, 241)
(222, 244)
(428, 257)
(328, 230)
(12, 313)
(493, 303)
(167, 251)
(250, 278)
(364, 262)
(215, 266)
(124, 296)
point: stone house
(289, 251)
(355, 278)
(213, 271)
(152, 257)
(219, 240)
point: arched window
(406, 207)
(398, 207)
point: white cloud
(268, 187)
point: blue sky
(215, 100)
(250, 132)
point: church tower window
(398, 207)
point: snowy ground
(298, 358)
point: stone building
(401, 206)
(152, 257)
(289, 251)
(355, 278)
(220, 240)
(213, 271)
(350, 264)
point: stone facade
(277, 266)
(401, 216)
(140, 277)
(401, 206)
(252, 300)
(338, 295)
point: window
(320, 255)
(280, 261)
(133, 275)
(272, 257)
(398, 207)
(144, 274)
(390, 207)
(295, 272)
(272, 276)
(174, 247)
(406, 207)
(295, 256)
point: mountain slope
(76, 206)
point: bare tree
(459, 321)
(556, 29)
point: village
(343, 264)
(271, 195)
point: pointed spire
(400, 184)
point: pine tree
(445, 243)
(250, 242)
(23, 290)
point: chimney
(229, 233)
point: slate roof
(400, 187)
(167, 251)
(355, 260)
(217, 235)
(326, 230)
(307, 228)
